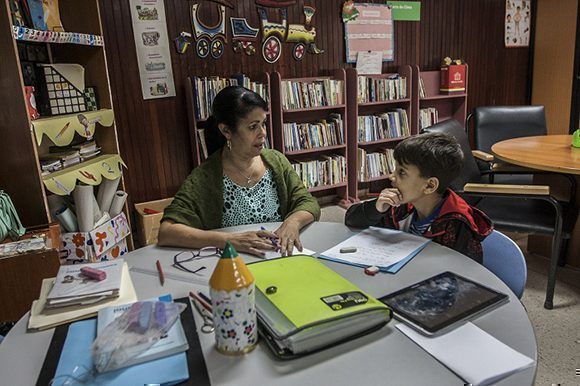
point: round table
(382, 357)
(552, 153)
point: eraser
(348, 250)
(93, 273)
(372, 271)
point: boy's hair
(434, 154)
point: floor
(558, 330)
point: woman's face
(250, 136)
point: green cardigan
(199, 202)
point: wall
(154, 137)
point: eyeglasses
(186, 256)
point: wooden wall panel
(154, 135)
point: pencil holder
(233, 304)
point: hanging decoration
(210, 40)
(182, 42)
(243, 35)
(517, 23)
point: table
(552, 153)
(383, 357)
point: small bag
(10, 224)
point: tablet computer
(439, 303)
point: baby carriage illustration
(210, 39)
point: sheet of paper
(275, 254)
(471, 353)
(369, 62)
(377, 246)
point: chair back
(493, 124)
(469, 172)
(503, 257)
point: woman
(239, 183)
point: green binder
(304, 306)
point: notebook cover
(198, 374)
(304, 283)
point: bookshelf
(368, 135)
(198, 119)
(23, 50)
(314, 102)
(448, 106)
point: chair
(503, 257)
(514, 208)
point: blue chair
(503, 257)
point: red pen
(200, 301)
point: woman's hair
(229, 106)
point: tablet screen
(442, 300)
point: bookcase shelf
(281, 115)
(357, 109)
(449, 106)
(196, 125)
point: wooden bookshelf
(449, 106)
(198, 124)
(281, 115)
(357, 108)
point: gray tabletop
(383, 357)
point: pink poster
(370, 30)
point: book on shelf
(72, 288)
(428, 117)
(171, 343)
(422, 93)
(388, 125)
(203, 143)
(310, 135)
(372, 89)
(305, 314)
(328, 170)
(375, 165)
(315, 93)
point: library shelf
(281, 115)
(356, 108)
(444, 96)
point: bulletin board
(371, 30)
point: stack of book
(62, 157)
(371, 89)
(428, 117)
(301, 136)
(392, 124)
(317, 93)
(87, 150)
(330, 170)
(375, 165)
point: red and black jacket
(458, 226)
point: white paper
(377, 246)
(83, 196)
(471, 353)
(276, 254)
(107, 191)
(68, 220)
(152, 45)
(369, 62)
(118, 203)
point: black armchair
(516, 208)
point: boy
(420, 201)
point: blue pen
(271, 238)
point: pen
(270, 238)
(200, 301)
(204, 297)
(160, 271)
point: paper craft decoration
(209, 39)
(17, 18)
(60, 130)
(243, 35)
(371, 30)
(90, 172)
(31, 103)
(91, 99)
(182, 42)
(52, 15)
(28, 34)
(62, 85)
(37, 14)
(517, 23)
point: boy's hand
(388, 197)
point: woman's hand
(289, 236)
(388, 197)
(254, 242)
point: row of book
(375, 165)
(301, 136)
(303, 95)
(61, 157)
(428, 117)
(206, 88)
(328, 170)
(381, 89)
(392, 124)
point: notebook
(305, 306)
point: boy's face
(407, 179)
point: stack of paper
(42, 318)
(387, 249)
(72, 288)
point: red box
(452, 78)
